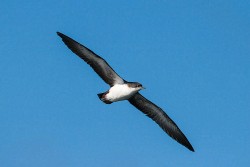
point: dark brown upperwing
(100, 66)
(161, 118)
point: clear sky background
(192, 56)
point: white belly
(120, 92)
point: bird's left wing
(100, 66)
(161, 118)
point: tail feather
(102, 97)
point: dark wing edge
(161, 118)
(100, 66)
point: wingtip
(190, 147)
(65, 38)
(60, 34)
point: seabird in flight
(121, 89)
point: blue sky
(193, 58)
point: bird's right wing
(161, 118)
(100, 66)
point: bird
(120, 89)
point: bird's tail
(102, 97)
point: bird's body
(118, 92)
(123, 90)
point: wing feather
(100, 66)
(161, 118)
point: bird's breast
(120, 92)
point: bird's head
(136, 85)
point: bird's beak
(143, 88)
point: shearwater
(121, 89)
